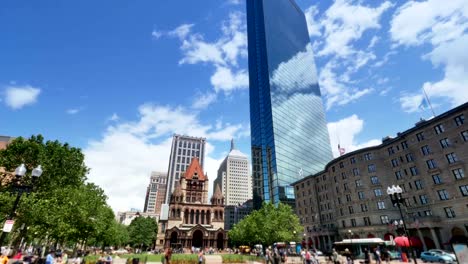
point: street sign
(8, 226)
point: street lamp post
(350, 233)
(395, 193)
(19, 187)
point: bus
(357, 246)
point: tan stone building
(429, 161)
(193, 221)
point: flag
(341, 150)
(423, 105)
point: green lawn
(176, 258)
(237, 258)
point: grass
(237, 258)
(175, 259)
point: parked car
(444, 252)
(436, 257)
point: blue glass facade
(289, 134)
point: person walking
(167, 256)
(200, 257)
(335, 256)
(3, 257)
(50, 257)
(308, 257)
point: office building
(4, 141)
(127, 217)
(428, 161)
(193, 220)
(183, 149)
(288, 129)
(155, 192)
(234, 213)
(234, 177)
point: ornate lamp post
(395, 193)
(19, 186)
(350, 233)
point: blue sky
(118, 78)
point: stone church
(193, 221)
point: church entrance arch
(220, 241)
(173, 238)
(197, 239)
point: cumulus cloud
(143, 146)
(443, 25)
(341, 26)
(345, 132)
(203, 100)
(410, 103)
(73, 111)
(222, 53)
(17, 97)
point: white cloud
(373, 41)
(223, 53)
(225, 80)
(181, 31)
(345, 23)
(410, 102)
(156, 34)
(202, 101)
(444, 25)
(16, 97)
(453, 57)
(114, 117)
(73, 111)
(345, 132)
(144, 146)
(313, 26)
(432, 21)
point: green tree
(142, 231)
(63, 207)
(266, 226)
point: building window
(348, 198)
(459, 120)
(465, 135)
(391, 150)
(431, 164)
(343, 175)
(384, 219)
(464, 190)
(358, 183)
(409, 157)
(352, 160)
(418, 184)
(353, 222)
(339, 200)
(449, 212)
(374, 180)
(355, 171)
(398, 175)
(341, 165)
(343, 223)
(381, 205)
(341, 212)
(425, 150)
(451, 158)
(414, 171)
(404, 144)
(458, 174)
(439, 129)
(345, 186)
(394, 162)
(368, 156)
(361, 195)
(423, 199)
(444, 143)
(436, 178)
(364, 208)
(420, 136)
(351, 209)
(371, 168)
(443, 194)
(367, 221)
(378, 192)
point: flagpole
(429, 102)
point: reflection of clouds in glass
(298, 74)
(306, 130)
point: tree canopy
(63, 206)
(142, 231)
(266, 226)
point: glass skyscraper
(288, 129)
